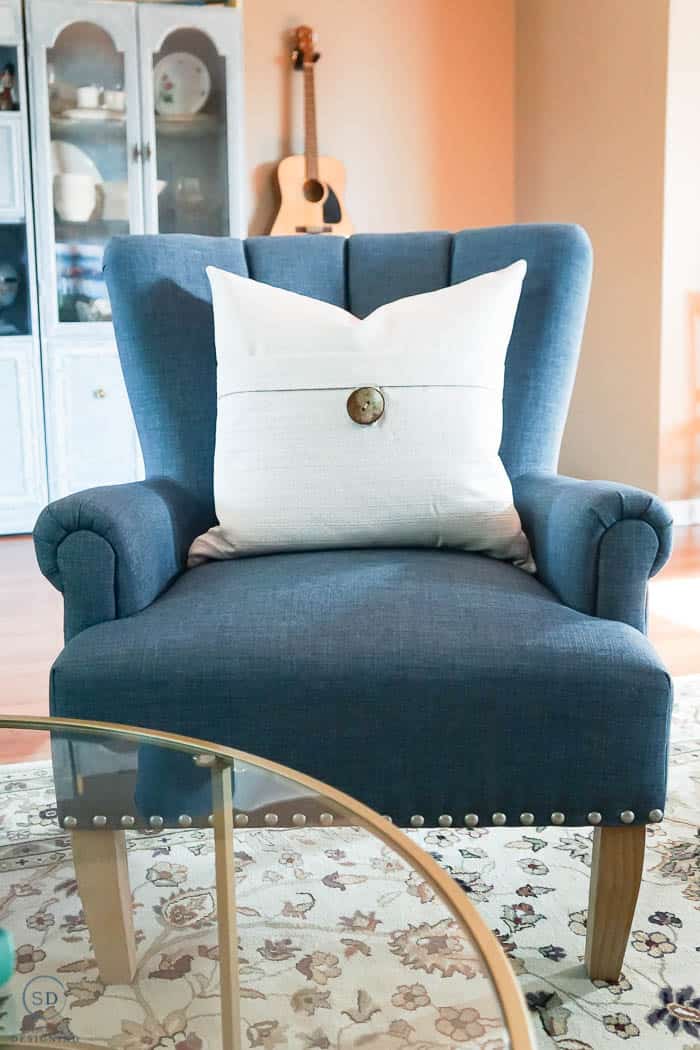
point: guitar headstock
(304, 53)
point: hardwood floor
(31, 624)
(31, 636)
(674, 605)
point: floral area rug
(323, 911)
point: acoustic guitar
(311, 187)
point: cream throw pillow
(295, 470)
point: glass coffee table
(164, 893)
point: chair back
(163, 319)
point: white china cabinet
(22, 462)
(136, 128)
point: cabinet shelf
(87, 128)
(97, 232)
(203, 124)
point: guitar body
(311, 205)
(311, 187)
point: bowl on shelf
(115, 199)
(74, 196)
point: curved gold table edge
(509, 994)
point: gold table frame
(221, 760)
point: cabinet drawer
(11, 181)
(92, 435)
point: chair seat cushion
(421, 682)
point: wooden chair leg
(616, 872)
(103, 883)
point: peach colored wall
(679, 470)
(414, 96)
(590, 133)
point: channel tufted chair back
(164, 325)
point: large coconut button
(366, 405)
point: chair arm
(595, 543)
(111, 551)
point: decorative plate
(182, 84)
(71, 160)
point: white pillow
(293, 471)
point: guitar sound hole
(313, 191)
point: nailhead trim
(527, 819)
(594, 817)
(241, 820)
(156, 822)
(298, 820)
(445, 821)
(627, 816)
(417, 821)
(271, 819)
(326, 819)
(656, 816)
(184, 820)
(557, 818)
(70, 822)
(127, 821)
(498, 819)
(471, 820)
(204, 760)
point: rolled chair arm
(111, 551)
(596, 543)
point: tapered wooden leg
(103, 883)
(616, 872)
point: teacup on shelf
(114, 100)
(89, 96)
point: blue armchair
(434, 685)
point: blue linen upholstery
(595, 543)
(112, 550)
(388, 673)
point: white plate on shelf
(83, 113)
(181, 83)
(71, 160)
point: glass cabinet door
(89, 133)
(190, 98)
(15, 306)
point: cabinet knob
(136, 153)
(147, 151)
(99, 393)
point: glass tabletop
(160, 893)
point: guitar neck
(310, 139)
